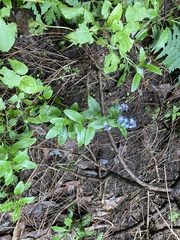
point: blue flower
(106, 127)
(126, 122)
(123, 107)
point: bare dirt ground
(123, 205)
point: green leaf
(11, 79)
(16, 213)
(60, 121)
(88, 16)
(24, 143)
(71, 131)
(9, 178)
(62, 137)
(111, 63)
(26, 165)
(162, 40)
(7, 206)
(142, 55)
(93, 105)
(47, 94)
(81, 133)
(100, 236)
(135, 13)
(97, 124)
(122, 78)
(19, 188)
(115, 15)
(47, 113)
(86, 220)
(75, 116)
(28, 85)
(106, 9)
(71, 12)
(2, 104)
(136, 81)
(90, 132)
(153, 68)
(123, 131)
(59, 229)
(26, 200)
(81, 35)
(68, 222)
(53, 132)
(7, 35)
(18, 66)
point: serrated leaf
(18, 66)
(136, 81)
(115, 15)
(73, 115)
(7, 35)
(81, 35)
(153, 68)
(19, 188)
(90, 132)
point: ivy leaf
(71, 12)
(81, 35)
(7, 35)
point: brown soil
(119, 206)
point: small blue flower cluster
(106, 127)
(123, 107)
(126, 122)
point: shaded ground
(92, 178)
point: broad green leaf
(81, 132)
(90, 132)
(135, 13)
(47, 113)
(71, 12)
(115, 15)
(16, 213)
(111, 63)
(25, 200)
(10, 78)
(59, 229)
(93, 105)
(106, 9)
(60, 121)
(26, 165)
(18, 66)
(125, 42)
(100, 236)
(47, 94)
(2, 104)
(28, 85)
(153, 68)
(73, 115)
(81, 35)
(87, 114)
(53, 132)
(7, 206)
(97, 124)
(19, 188)
(9, 178)
(71, 131)
(140, 71)
(141, 34)
(24, 143)
(88, 16)
(68, 222)
(62, 137)
(7, 35)
(123, 131)
(136, 81)
(3, 195)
